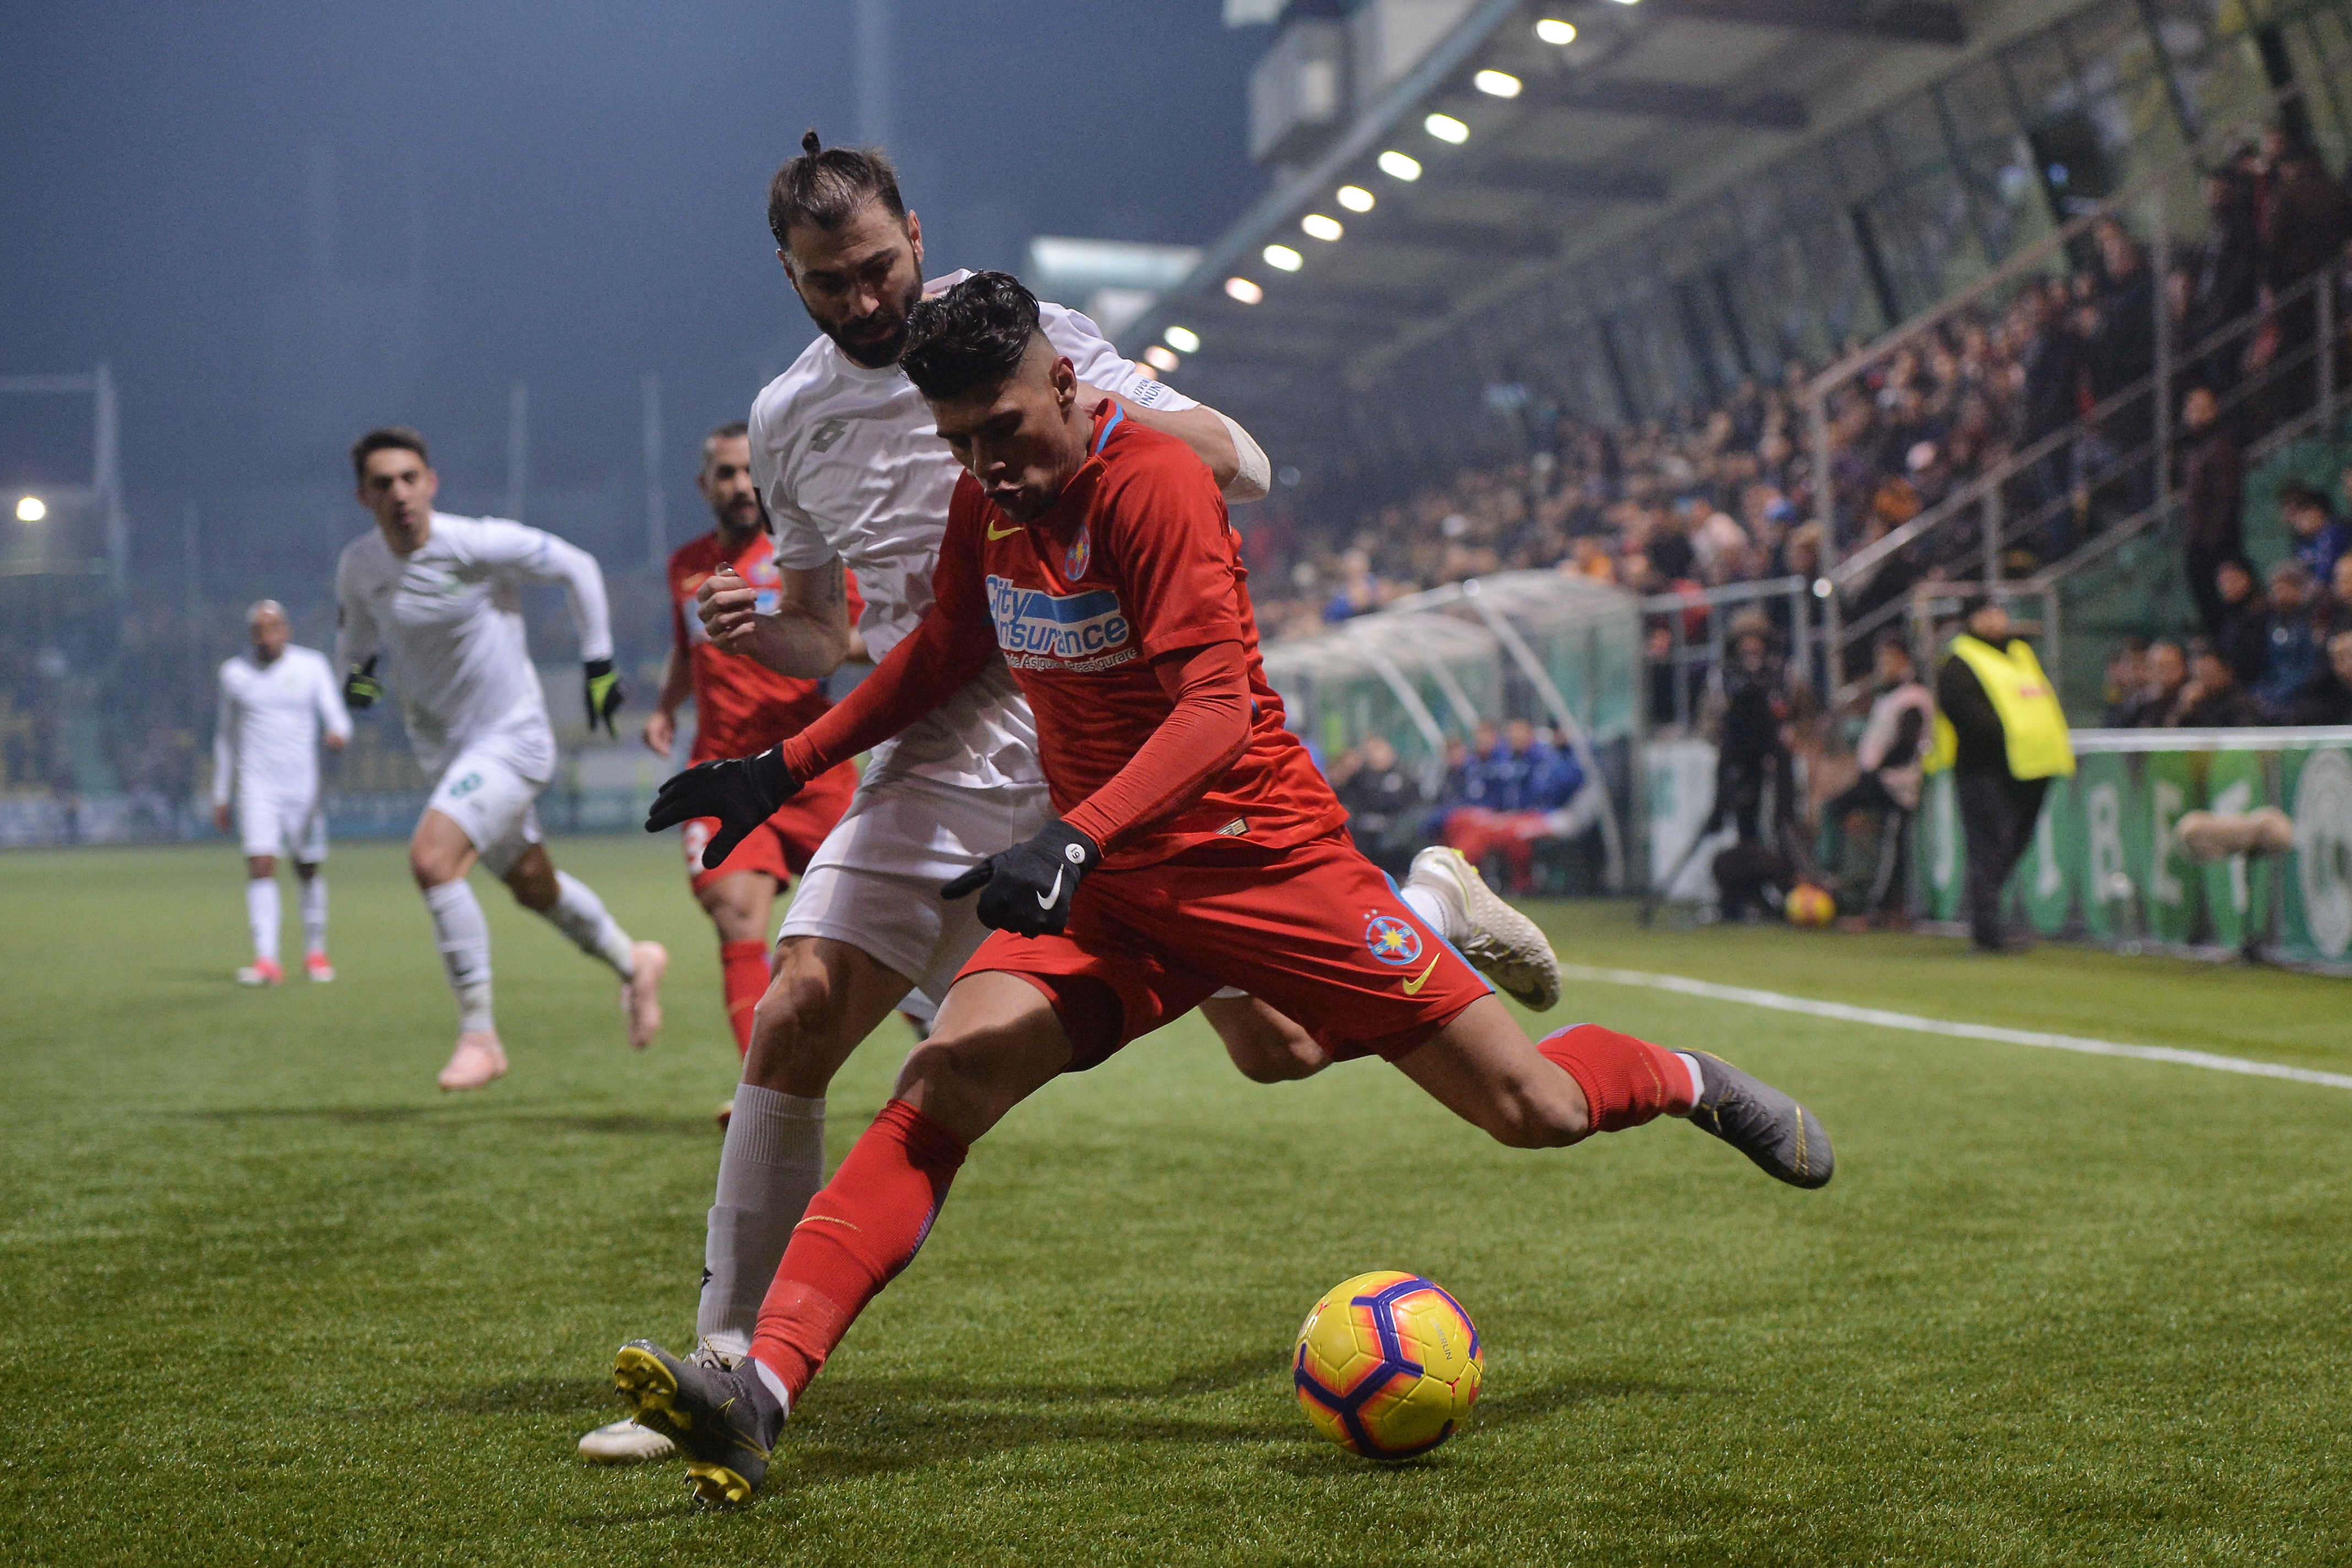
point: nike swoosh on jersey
(996, 533)
(1047, 899)
(1413, 987)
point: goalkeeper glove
(361, 690)
(605, 695)
(1027, 889)
(742, 792)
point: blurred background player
(277, 703)
(848, 460)
(439, 593)
(741, 706)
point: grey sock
(770, 1166)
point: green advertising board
(2106, 861)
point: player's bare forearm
(806, 636)
(931, 665)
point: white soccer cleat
(261, 972)
(641, 992)
(1501, 944)
(479, 1060)
(318, 968)
(624, 1442)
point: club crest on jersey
(1041, 630)
(1392, 941)
(1079, 556)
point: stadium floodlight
(1321, 227)
(1445, 127)
(1355, 198)
(1242, 289)
(1552, 30)
(31, 509)
(1183, 339)
(1497, 84)
(1397, 166)
(1629, 1)
(1283, 256)
(1161, 359)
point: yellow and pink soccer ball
(1809, 905)
(1388, 1366)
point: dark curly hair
(971, 337)
(386, 438)
(824, 187)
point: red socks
(744, 966)
(864, 1228)
(1626, 1082)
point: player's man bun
(971, 337)
(826, 187)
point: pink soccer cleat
(261, 972)
(641, 993)
(477, 1059)
(318, 968)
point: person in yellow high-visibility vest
(2001, 731)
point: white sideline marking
(1914, 1022)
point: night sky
(282, 224)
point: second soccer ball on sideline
(1388, 1366)
(1809, 905)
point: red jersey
(1134, 559)
(741, 705)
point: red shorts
(1316, 930)
(781, 845)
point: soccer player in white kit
(438, 594)
(277, 703)
(854, 476)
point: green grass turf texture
(265, 1296)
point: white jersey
(266, 741)
(450, 618)
(852, 467)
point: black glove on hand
(1027, 889)
(742, 792)
(361, 690)
(605, 695)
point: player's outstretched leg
(573, 907)
(997, 1043)
(1587, 1079)
(1508, 948)
(313, 896)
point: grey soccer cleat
(1761, 1122)
(1501, 944)
(723, 1418)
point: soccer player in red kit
(1198, 847)
(740, 706)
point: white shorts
(875, 881)
(491, 791)
(290, 825)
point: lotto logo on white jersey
(1039, 629)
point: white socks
(313, 899)
(1690, 1065)
(261, 913)
(770, 1166)
(464, 938)
(580, 914)
(1435, 912)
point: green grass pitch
(265, 1296)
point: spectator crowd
(1724, 493)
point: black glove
(361, 688)
(742, 792)
(1027, 889)
(605, 695)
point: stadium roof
(1655, 106)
